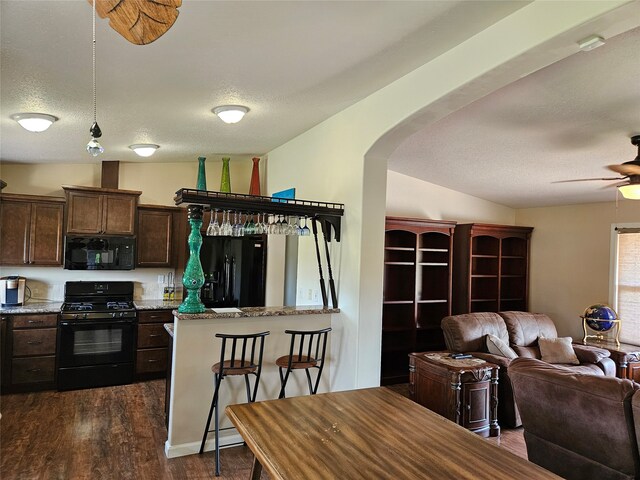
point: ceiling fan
(629, 171)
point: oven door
(96, 342)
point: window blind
(628, 284)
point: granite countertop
(259, 312)
(33, 307)
(158, 304)
(169, 328)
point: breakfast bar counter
(196, 349)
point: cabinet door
(15, 218)
(119, 214)
(45, 244)
(84, 213)
(154, 238)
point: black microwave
(99, 253)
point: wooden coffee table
(465, 391)
(368, 434)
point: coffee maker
(12, 291)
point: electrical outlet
(309, 294)
(161, 279)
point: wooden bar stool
(306, 351)
(245, 360)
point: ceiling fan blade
(587, 179)
(625, 169)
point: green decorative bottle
(225, 180)
(202, 175)
(193, 277)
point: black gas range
(96, 335)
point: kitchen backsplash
(47, 283)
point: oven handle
(105, 322)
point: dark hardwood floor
(112, 433)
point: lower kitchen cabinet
(30, 355)
(153, 341)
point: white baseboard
(232, 438)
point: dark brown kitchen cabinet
(491, 268)
(31, 230)
(417, 291)
(156, 235)
(30, 351)
(100, 211)
(153, 341)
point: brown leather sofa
(467, 333)
(579, 426)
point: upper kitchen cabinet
(158, 238)
(31, 230)
(101, 211)
(491, 268)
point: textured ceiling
(293, 64)
(566, 121)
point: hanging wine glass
(296, 229)
(258, 228)
(273, 225)
(210, 227)
(235, 230)
(250, 225)
(265, 226)
(215, 231)
(284, 226)
(226, 225)
(306, 231)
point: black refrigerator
(235, 270)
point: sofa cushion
(525, 328)
(557, 350)
(588, 354)
(498, 347)
(527, 352)
(466, 333)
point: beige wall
(570, 257)
(157, 181)
(343, 159)
(411, 197)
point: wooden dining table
(370, 434)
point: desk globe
(600, 318)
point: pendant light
(93, 147)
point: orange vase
(254, 187)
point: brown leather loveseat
(520, 330)
(579, 426)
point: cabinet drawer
(35, 321)
(33, 370)
(155, 316)
(152, 360)
(38, 341)
(152, 335)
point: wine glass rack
(326, 213)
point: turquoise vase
(202, 175)
(193, 277)
(225, 180)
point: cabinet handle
(154, 316)
(4, 318)
(34, 370)
(32, 342)
(155, 335)
(34, 321)
(152, 361)
(469, 407)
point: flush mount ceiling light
(230, 113)
(34, 122)
(589, 43)
(144, 149)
